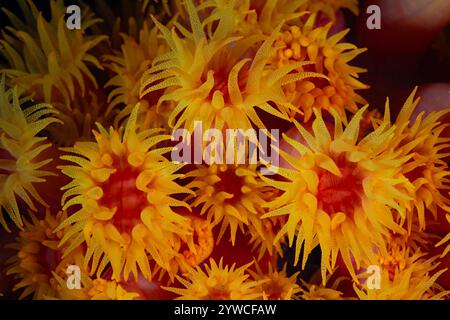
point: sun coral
(215, 79)
(122, 192)
(342, 193)
(238, 18)
(191, 254)
(21, 161)
(217, 282)
(87, 185)
(97, 289)
(54, 64)
(446, 239)
(263, 242)
(330, 7)
(426, 169)
(39, 262)
(230, 195)
(109, 290)
(276, 285)
(269, 13)
(136, 56)
(404, 274)
(330, 57)
(92, 289)
(311, 291)
(51, 63)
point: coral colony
(140, 158)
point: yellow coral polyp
(21, 165)
(405, 274)
(321, 291)
(39, 263)
(446, 239)
(204, 245)
(330, 7)
(109, 290)
(426, 169)
(136, 56)
(331, 57)
(342, 193)
(198, 248)
(217, 282)
(356, 191)
(123, 188)
(232, 196)
(93, 289)
(221, 95)
(263, 242)
(51, 63)
(239, 17)
(276, 285)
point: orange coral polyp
(406, 273)
(276, 285)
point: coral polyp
(22, 164)
(39, 261)
(332, 58)
(222, 95)
(426, 169)
(229, 195)
(47, 60)
(405, 274)
(340, 188)
(192, 254)
(130, 166)
(136, 56)
(276, 285)
(321, 291)
(122, 195)
(217, 282)
(53, 64)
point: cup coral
(22, 166)
(122, 190)
(53, 64)
(105, 169)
